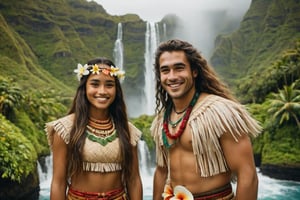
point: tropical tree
(254, 87)
(285, 105)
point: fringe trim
(61, 126)
(156, 131)
(101, 167)
(209, 120)
(135, 134)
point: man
(201, 131)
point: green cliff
(42, 41)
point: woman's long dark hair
(117, 110)
(206, 80)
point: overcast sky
(154, 10)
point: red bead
(184, 120)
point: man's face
(176, 75)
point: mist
(201, 21)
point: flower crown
(96, 69)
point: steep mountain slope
(268, 28)
(18, 62)
(56, 35)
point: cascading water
(151, 42)
(146, 164)
(118, 49)
(45, 176)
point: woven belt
(222, 193)
(113, 194)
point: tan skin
(177, 80)
(100, 93)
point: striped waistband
(116, 194)
(222, 193)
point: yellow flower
(95, 69)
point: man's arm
(160, 177)
(239, 156)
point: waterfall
(146, 165)
(151, 42)
(145, 161)
(118, 49)
(164, 31)
(45, 176)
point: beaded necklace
(103, 141)
(166, 133)
(101, 132)
(174, 124)
(100, 125)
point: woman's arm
(240, 159)
(59, 178)
(134, 185)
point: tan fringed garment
(96, 157)
(209, 120)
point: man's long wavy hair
(206, 80)
(117, 110)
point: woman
(95, 147)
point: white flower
(181, 193)
(96, 69)
(81, 70)
(121, 75)
(114, 71)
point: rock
(282, 172)
(28, 189)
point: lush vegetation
(42, 41)
(144, 123)
(246, 55)
(279, 110)
(17, 154)
(22, 136)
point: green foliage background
(41, 43)
(17, 153)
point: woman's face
(100, 91)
